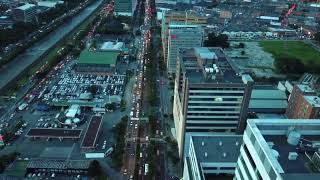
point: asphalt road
(20, 63)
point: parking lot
(72, 86)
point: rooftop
(313, 100)
(91, 135)
(208, 65)
(98, 57)
(217, 148)
(290, 146)
(54, 133)
(305, 88)
(268, 100)
(26, 6)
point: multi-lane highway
(10, 71)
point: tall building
(303, 103)
(209, 95)
(25, 13)
(178, 17)
(211, 156)
(124, 7)
(182, 36)
(286, 149)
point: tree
(93, 89)
(217, 41)
(94, 168)
(241, 45)
(243, 53)
(290, 65)
(317, 37)
(110, 107)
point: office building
(211, 156)
(209, 95)
(286, 149)
(124, 7)
(304, 103)
(182, 36)
(178, 17)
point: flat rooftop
(54, 133)
(91, 135)
(98, 57)
(272, 137)
(58, 164)
(313, 100)
(207, 65)
(219, 148)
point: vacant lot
(291, 49)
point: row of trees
(151, 71)
(152, 158)
(120, 132)
(317, 37)
(293, 65)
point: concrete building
(178, 17)
(286, 149)
(209, 95)
(211, 156)
(303, 103)
(25, 13)
(182, 36)
(124, 7)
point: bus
(146, 169)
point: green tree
(93, 89)
(217, 41)
(94, 169)
(317, 37)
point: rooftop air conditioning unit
(292, 156)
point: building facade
(303, 103)
(209, 96)
(182, 36)
(178, 17)
(286, 149)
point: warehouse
(97, 61)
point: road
(10, 71)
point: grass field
(292, 49)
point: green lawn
(292, 49)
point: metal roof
(98, 57)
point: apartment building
(286, 149)
(304, 103)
